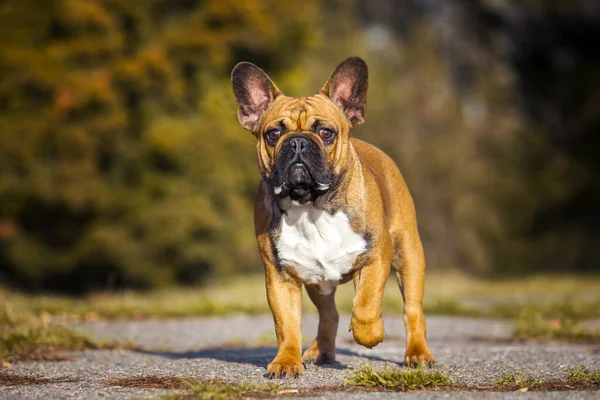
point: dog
(329, 208)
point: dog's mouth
(300, 185)
(299, 171)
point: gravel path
(238, 348)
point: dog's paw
(368, 334)
(316, 355)
(418, 354)
(285, 367)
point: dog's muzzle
(301, 170)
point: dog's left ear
(254, 91)
(347, 88)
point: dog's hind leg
(322, 351)
(409, 264)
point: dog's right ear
(254, 91)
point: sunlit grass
(403, 379)
(41, 342)
(447, 293)
(240, 296)
(39, 338)
(534, 325)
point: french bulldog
(330, 208)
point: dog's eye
(326, 134)
(272, 136)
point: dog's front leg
(369, 281)
(285, 299)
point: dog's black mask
(300, 170)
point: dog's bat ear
(347, 88)
(254, 91)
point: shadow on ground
(256, 356)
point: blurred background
(122, 163)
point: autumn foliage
(122, 163)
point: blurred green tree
(121, 161)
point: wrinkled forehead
(301, 113)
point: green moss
(399, 379)
(581, 374)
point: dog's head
(303, 142)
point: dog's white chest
(321, 247)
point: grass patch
(566, 309)
(217, 390)
(41, 342)
(404, 379)
(447, 293)
(533, 325)
(516, 380)
(177, 302)
(579, 378)
(39, 339)
(581, 374)
(368, 378)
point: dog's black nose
(299, 144)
